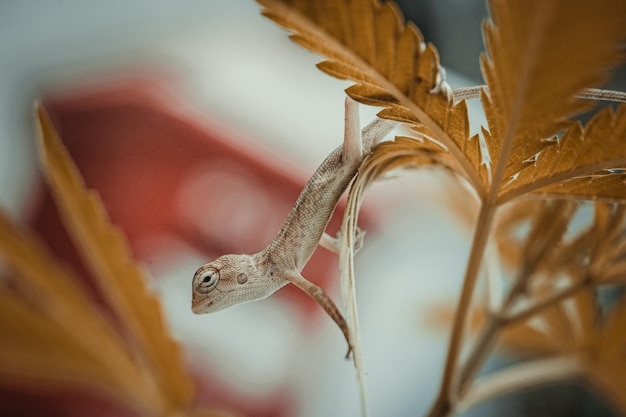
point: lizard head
(229, 280)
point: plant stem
(444, 404)
(481, 350)
(471, 93)
(485, 342)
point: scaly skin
(235, 279)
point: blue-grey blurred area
(44, 44)
(455, 27)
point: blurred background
(199, 122)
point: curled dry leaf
(402, 153)
(107, 254)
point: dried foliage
(534, 169)
(56, 337)
(533, 165)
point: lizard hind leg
(352, 148)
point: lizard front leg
(318, 294)
(333, 243)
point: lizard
(238, 278)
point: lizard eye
(206, 279)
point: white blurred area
(234, 65)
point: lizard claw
(359, 238)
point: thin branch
(482, 348)
(451, 378)
(471, 93)
(543, 304)
(468, 93)
(444, 403)
(498, 322)
(603, 95)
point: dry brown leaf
(568, 323)
(508, 229)
(54, 311)
(40, 353)
(106, 253)
(368, 42)
(607, 243)
(596, 253)
(522, 339)
(602, 349)
(586, 324)
(527, 340)
(538, 61)
(548, 226)
(583, 163)
(534, 68)
(55, 335)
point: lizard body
(234, 279)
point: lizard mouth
(201, 304)
(200, 307)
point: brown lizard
(235, 279)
